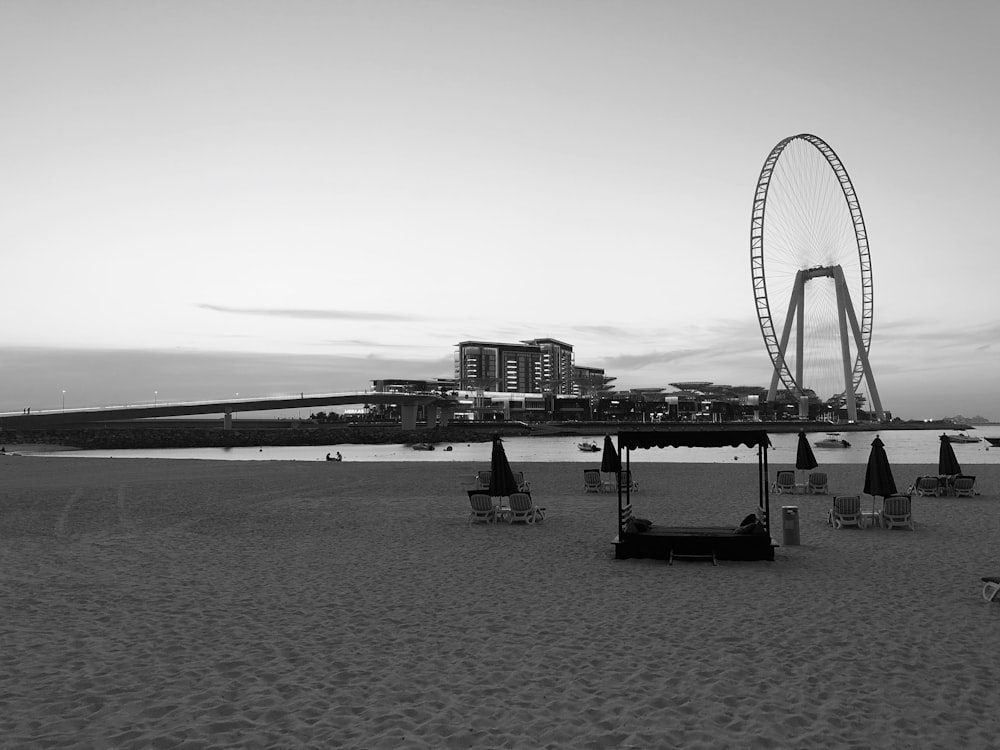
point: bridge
(438, 409)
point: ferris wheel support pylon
(796, 311)
(847, 310)
(845, 316)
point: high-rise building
(557, 365)
(543, 365)
(498, 367)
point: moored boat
(832, 443)
(423, 447)
(588, 447)
(962, 438)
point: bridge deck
(227, 407)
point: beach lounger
(817, 484)
(522, 485)
(483, 480)
(483, 510)
(523, 509)
(623, 478)
(896, 511)
(927, 487)
(628, 483)
(991, 588)
(784, 482)
(846, 511)
(965, 486)
(592, 481)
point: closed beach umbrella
(610, 461)
(804, 458)
(878, 475)
(947, 463)
(502, 482)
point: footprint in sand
(63, 520)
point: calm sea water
(902, 447)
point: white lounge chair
(523, 509)
(991, 588)
(896, 511)
(522, 484)
(784, 482)
(817, 484)
(483, 510)
(846, 511)
(628, 483)
(926, 487)
(483, 479)
(592, 481)
(965, 486)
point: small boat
(588, 447)
(962, 438)
(995, 442)
(423, 447)
(832, 443)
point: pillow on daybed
(635, 525)
(750, 525)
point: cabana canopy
(633, 439)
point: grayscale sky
(205, 198)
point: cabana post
(715, 543)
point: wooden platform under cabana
(663, 542)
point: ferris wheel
(812, 274)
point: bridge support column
(432, 413)
(227, 420)
(446, 414)
(409, 412)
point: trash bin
(790, 524)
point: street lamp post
(155, 397)
(64, 401)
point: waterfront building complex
(538, 380)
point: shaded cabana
(716, 543)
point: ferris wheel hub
(820, 271)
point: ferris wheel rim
(757, 257)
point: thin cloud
(933, 335)
(370, 344)
(302, 314)
(598, 330)
(648, 359)
(37, 377)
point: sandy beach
(204, 604)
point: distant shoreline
(209, 434)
